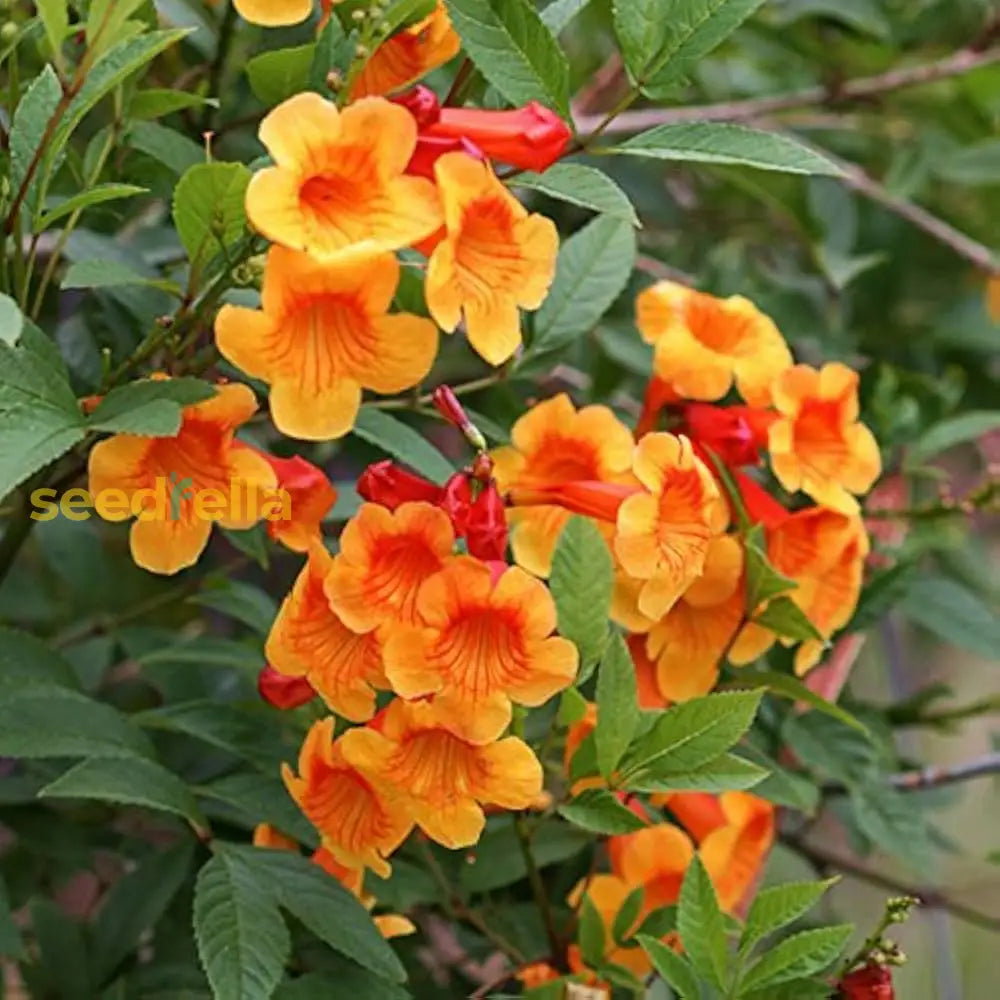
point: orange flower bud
(283, 692)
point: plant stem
(224, 44)
(413, 403)
(538, 890)
(936, 776)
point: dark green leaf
(97, 195)
(590, 934)
(176, 152)
(11, 945)
(275, 76)
(111, 274)
(402, 442)
(627, 915)
(149, 407)
(763, 581)
(598, 810)
(951, 432)
(27, 662)
(348, 981)
(955, 614)
(583, 186)
(31, 124)
(617, 705)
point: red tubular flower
(430, 148)
(311, 496)
(588, 497)
(456, 501)
(530, 138)
(659, 394)
(735, 433)
(486, 527)
(283, 692)
(390, 485)
(871, 982)
(422, 103)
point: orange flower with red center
(704, 344)
(384, 558)
(663, 532)
(202, 467)
(824, 553)
(323, 334)
(493, 259)
(444, 779)
(409, 55)
(360, 823)
(655, 858)
(480, 644)
(309, 640)
(311, 495)
(273, 13)
(817, 444)
(554, 443)
(607, 894)
(338, 185)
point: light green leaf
(85, 199)
(778, 906)
(593, 268)
(11, 321)
(208, 209)
(149, 407)
(864, 15)
(402, 442)
(785, 618)
(978, 164)
(158, 102)
(242, 939)
(951, 432)
(176, 152)
(514, 50)
(617, 705)
(275, 76)
(107, 23)
(581, 581)
(787, 686)
(558, 14)
(893, 821)
(763, 581)
(55, 18)
(782, 786)
(700, 924)
(127, 781)
(955, 614)
(111, 274)
(797, 956)
(675, 969)
(32, 119)
(716, 142)
(583, 186)
(726, 773)
(599, 811)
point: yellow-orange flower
(689, 641)
(181, 475)
(607, 893)
(384, 558)
(817, 444)
(479, 645)
(310, 497)
(494, 258)
(309, 640)
(554, 443)
(444, 779)
(824, 553)
(663, 532)
(703, 344)
(408, 55)
(323, 334)
(273, 13)
(655, 858)
(360, 823)
(338, 186)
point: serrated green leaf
(558, 14)
(617, 705)
(590, 934)
(787, 686)
(32, 122)
(27, 662)
(598, 810)
(882, 592)
(726, 773)
(823, 743)
(242, 939)
(675, 970)
(176, 152)
(593, 268)
(111, 274)
(97, 195)
(514, 50)
(628, 914)
(583, 186)
(127, 781)
(779, 906)
(700, 924)
(11, 321)
(797, 956)
(402, 442)
(275, 76)
(782, 786)
(581, 582)
(785, 618)
(721, 143)
(150, 407)
(208, 209)
(893, 821)
(953, 613)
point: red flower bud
(659, 394)
(421, 102)
(430, 147)
(390, 485)
(486, 528)
(283, 692)
(531, 138)
(451, 409)
(482, 467)
(732, 432)
(871, 982)
(456, 501)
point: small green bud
(8, 32)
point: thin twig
(935, 776)
(538, 888)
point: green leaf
(628, 915)
(208, 209)
(581, 582)
(883, 591)
(31, 124)
(785, 618)
(583, 186)
(242, 939)
(38, 409)
(176, 152)
(782, 786)
(92, 273)
(779, 906)
(242, 601)
(701, 925)
(763, 581)
(151, 407)
(715, 142)
(617, 705)
(593, 267)
(590, 934)
(276, 76)
(11, 321)
(663, 40)
(599, 811)
(135, 904)
(317, 899)
(726, 773)
(794, 989)
(691, 734)
(347, 981)
(557, 15)
(399, 13)
(953, 613)
(27, 662)
(863, 15)
(11, 945)
(787, 686)
(334, 53)
(61, 964)
(514, 50)
(158, 102)
(402, 442)
(951, 432)
(55, 18)
(974, 165)
(97, 195)
(107, 21)
(127, 781)
(824, 744)
(893, 821)
(675, 970)
(800, 955)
